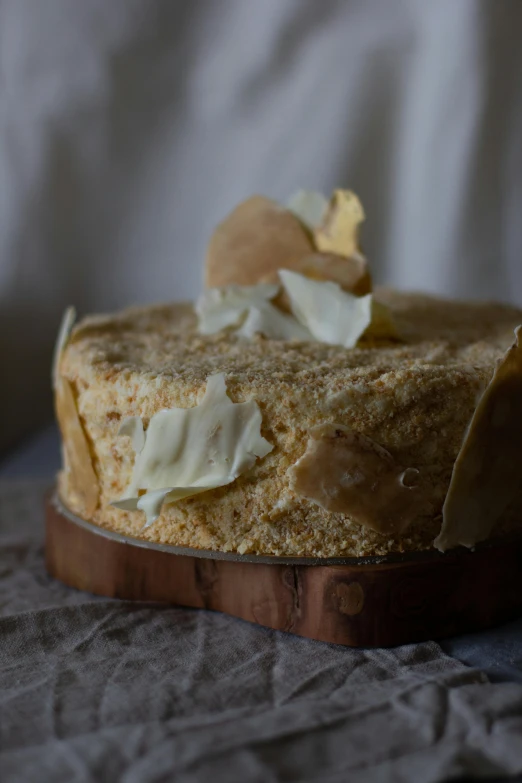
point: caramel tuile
(487, 475)
(79, 468)
(346, 472)
(257, 238)
(82, 476)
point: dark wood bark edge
(376, 604)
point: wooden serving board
(373, 602)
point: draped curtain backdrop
(129, 128)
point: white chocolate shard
(192, 450)
(219, 308)
(273, 324)
(133, 427)
(329, 313)
(64, 333)
(309, 206)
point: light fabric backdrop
(129, 128)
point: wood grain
(375, 604)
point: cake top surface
(163, 340)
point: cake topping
(330, 314)
(350, 273)
(218, 308)
(258, 237)
(382, 325)
(309, 206)
(78, 462)
(319, 311)
(311, 246)
(311, 235)
(334, 224)
(273, 324)
(347, 472)
(187, 451)
(487, 475)
(64, 333)
(339, 230)
(133, 427)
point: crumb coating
(414, 398)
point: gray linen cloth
(99, 690)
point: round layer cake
(412, 400)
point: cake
(255, 424)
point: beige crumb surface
(414, 398)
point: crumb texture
(413, 398)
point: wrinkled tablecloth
(93, 689)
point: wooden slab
(374, 602)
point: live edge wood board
(374, 602)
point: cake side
(414, 399)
